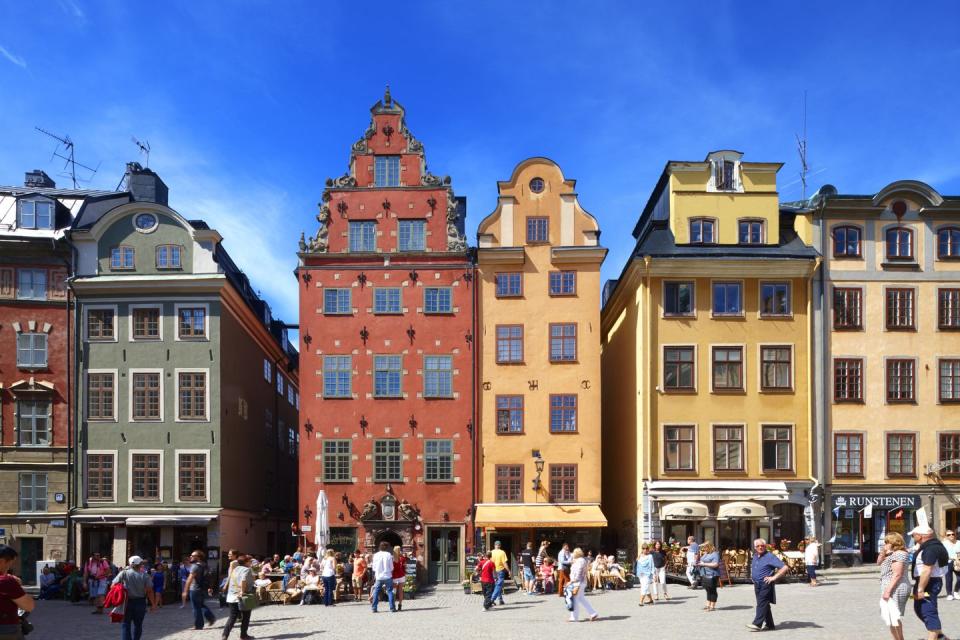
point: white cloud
(71, 8)
(17, 60)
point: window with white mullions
(438, 376)
(437, 300)
(899, 243)
(33, 423)
(31, 350)
(701, 231)
(777, 448)
(750, 232)
(950, 380)
(387, 300)
(948, 243)
(387, 372)
(848, 380)
(363, 236)
(35, 214)
(337, 376)
(121, 258)
(948, 308)
(727, 298)
(949, 449)
(438, 460)
(33, 492)
(846, 242)
(386, 171)
(168, 256)
(412, 235)
(847, 309)
(387, 461)
(31, 284)
(901, 380)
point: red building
(387, 359)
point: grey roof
(57, 192)
(660, 243)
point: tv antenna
(65, 151)
(144, 149)
(802, 150)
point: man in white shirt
(811, 559)
(382, 566)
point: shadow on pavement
(734, 607)
(796, 624)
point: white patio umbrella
(322, 524)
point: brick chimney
(38, 178)
(145, 185)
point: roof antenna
(67, 156)
(802, 150)
(144, 149)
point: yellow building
(889, 341)
(538, 337)
(706, 363)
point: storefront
(578, 525)
(861, 521)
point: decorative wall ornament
(345, 181)
(430, 180)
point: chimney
(38, 178)
(145, 185)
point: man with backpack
(196, 588)
(928, 572)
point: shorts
(812, 571)
(97, 588)
(890, 612)
(397, 581)
(926, 609)
(528, 574)
(358, 581)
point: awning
(518, 516)
(684, 511)
(718, 490)
(167, 521)
(741, 509)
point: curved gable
(913, 189)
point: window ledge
(426, 397)
(902, 402)
(906, 265)
(679, 392)
(776, 316)
(729, 392)
(563, 433)
(857, 401)
(728, 316)
(730, 472)
(350, 397)
(511, 433)
(439, 313)
(564, 362)
(679, 316)
(777, 391)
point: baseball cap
(135, 560)
(920, 530)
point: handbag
(956, 566)
(246, 601)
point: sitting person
(547, 572)
(311, 587)
(49, 586)
(261, 584)
(615, 574)
(293, 589)
(597, 570)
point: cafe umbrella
(322, 523)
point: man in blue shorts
(928, 572)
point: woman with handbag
(577, 586)
(709, 566)
(240, 597)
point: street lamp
(538, 463)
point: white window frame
(133, 307)
(160, 482)
(176, 383)
(743, 298)
(116, 394)
(86, 322)
(130, 403)
(33, 200)
(206, 321)
(46, 284)
(734, 157)
(86, 478)
(176, 456)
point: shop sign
(881, 501)
(306, 528)
(58, 523)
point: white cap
(920, 530)
(135, 560)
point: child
(158, 577)
(547, 573)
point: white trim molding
(206, 389)
(99, 452)
(133, 307)
(130, 374)
(116, 395)
(177, 453)
(206, 321)
(130, 455)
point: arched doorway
(391, 537)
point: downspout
(645, 392)
(815, 439)
(73, 427)
(474, 413)
(821, 358)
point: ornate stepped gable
(384, 111)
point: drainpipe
(825, 387)
(73, 418)
(645, 392)
(474, 413)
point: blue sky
(250, 106)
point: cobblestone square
(840, 608)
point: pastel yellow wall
(535, 310)
(752, 408)
(690, 199)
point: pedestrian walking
(930, 562)
(528, 563)
(399, 576)
(239, 584)
(382, 576)
(139, 586)
(709, 573)
(659, 570)
(693, 551)
(487, 579)
(96, 575)
(577, 587)
(894, 583)
(811, 559)
(195, 589)
(952, 576)
(12, 597)
(159, 580)
(359, 574)
(564, 561)
(501, 564)
(643, 568)
(328, 574)
(765, 570)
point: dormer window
(726, 175)
(702, 231)
(121, 258)
(750, 232)
(724, 171)
(168, 256)
(386, 171)
(35, 214)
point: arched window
(948, 243)
(899, 243)
(846, 242)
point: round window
(145, 221)
(536, 185)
